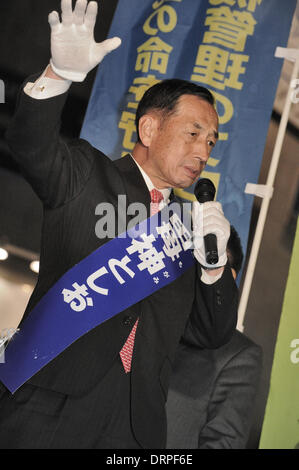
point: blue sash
(117, 275)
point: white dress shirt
(46, 87)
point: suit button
(128, 320)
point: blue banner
(227, 46)
(115, 276)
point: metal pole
(265, 203)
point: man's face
(180, 143)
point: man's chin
(186, 183)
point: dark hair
(164, 96)
(234, 250)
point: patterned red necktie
(126, 352)
(156, 198)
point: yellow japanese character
(226, 110)
(153, 54)
(235, 69)
(211, 63)
(127, 123)
(218, 68)
(250, 5)
(141, 84)
(218, 2)
(228, 28)
(164, 19)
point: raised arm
(57, 169)
(73, 48)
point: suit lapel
(135, 186)
(134, 183)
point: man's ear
(148, 125)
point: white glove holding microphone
(209, 218)
(73, 48)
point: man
(212, 391)
(96, 394)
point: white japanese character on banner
(172, 246)
(93, 277)
(181, 231)
(122, 264)
(76, 298)
(148, 254)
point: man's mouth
(192, 172)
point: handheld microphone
(204, 191)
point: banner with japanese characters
(227, 46)
(120, 273)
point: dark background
(25, 49)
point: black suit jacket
(211, 395)
(71, 179)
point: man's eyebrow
(198, 126)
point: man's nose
(202, 153)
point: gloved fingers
(208, 208)
(108, 45)
(66, 12)
(213, 212)
(53, 19)
(79, 12)
(216, 217)
(91, 15)
(221, 231)
(210, 205)
(210, 228)
(202, 214)
(209, 218)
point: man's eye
(211, 143)
(193, 134)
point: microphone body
(204, 191)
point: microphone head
(204, 190)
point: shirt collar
(166, 192)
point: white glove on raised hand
(73, 48)
(209, 218)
